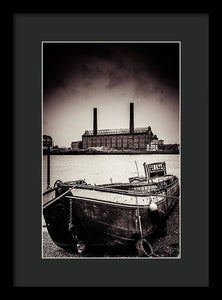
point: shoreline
(107, 153)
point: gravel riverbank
(167, 246)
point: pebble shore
(167, 246)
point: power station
(121, 139)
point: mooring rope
(71, 225)
(79, 243)
(139, 218)
(142, 240)
(141, 248)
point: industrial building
(121, 139)
(76, 145)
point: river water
(101, 169)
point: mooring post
(48, 167)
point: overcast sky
(80, 76)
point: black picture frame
(193, 32)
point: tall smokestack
(95, 121)
(131, 118)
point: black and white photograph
(111, 149)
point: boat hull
(101, 223)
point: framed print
(110, 183)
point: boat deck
(122, 193)
(114, 198)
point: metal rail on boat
(123, 192)
(56, 199)
(135, 194)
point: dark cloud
(83, 64)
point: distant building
(47, 141)
(174, 148)
(160, 142)
(121, 139)
(76, 145)
(153, 145)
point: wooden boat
(78, 214)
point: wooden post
(48, 167)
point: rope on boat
(141, 241)
(79, 244)
(141, 250)
(139, 218)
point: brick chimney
(94, 121)
(131, 118)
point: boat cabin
(155, 170)
(152, 171)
